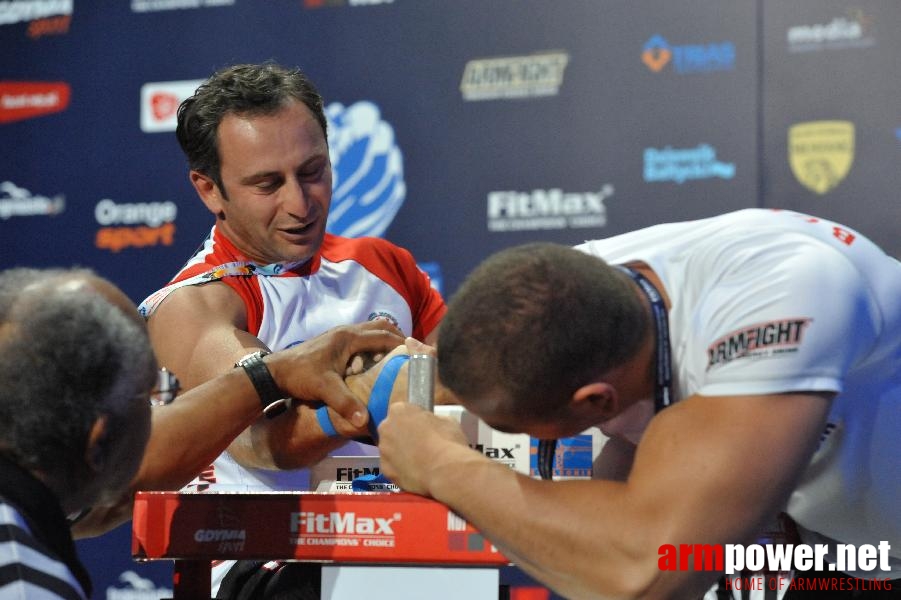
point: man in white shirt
(750, 362)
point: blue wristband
(379, 398)
(326, 422)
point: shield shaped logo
(821, 153)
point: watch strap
(273, 401)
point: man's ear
(209, 192)
(597, 399)
(96, 452)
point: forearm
(189, 433)
(296, 440)
(585, 539)
(293, 440)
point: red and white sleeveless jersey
(347, 281)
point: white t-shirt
(767, 301)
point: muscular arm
(189, 433)
(199, 332)
(708, 470)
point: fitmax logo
(341, 523)
(495, 453)
(351, 473)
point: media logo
(160, 101)
(140, 6)
(21, 100)
(547, 209)
(367, 170)
(821, 153)
(134, 225)
(839, 33)
(529, 76)
(658, 53)
(138, 588)
(19, 202)
(683, 164)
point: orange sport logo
(134, 224)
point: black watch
(272, 399)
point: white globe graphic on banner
(367, 171)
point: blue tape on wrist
(325, 421)
(379, 398)
(380, 395)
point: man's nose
(294, 199)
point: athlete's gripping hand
(366, 370)
(416, 446)
(314, 371)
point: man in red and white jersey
(269, 276)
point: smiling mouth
(300, 230)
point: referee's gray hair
(67, 356)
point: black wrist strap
(272, 399)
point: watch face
(258, 354)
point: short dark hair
(245, 89)
(536, 322)
(65, 359)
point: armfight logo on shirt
(761, 340)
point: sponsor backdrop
(457, 128)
